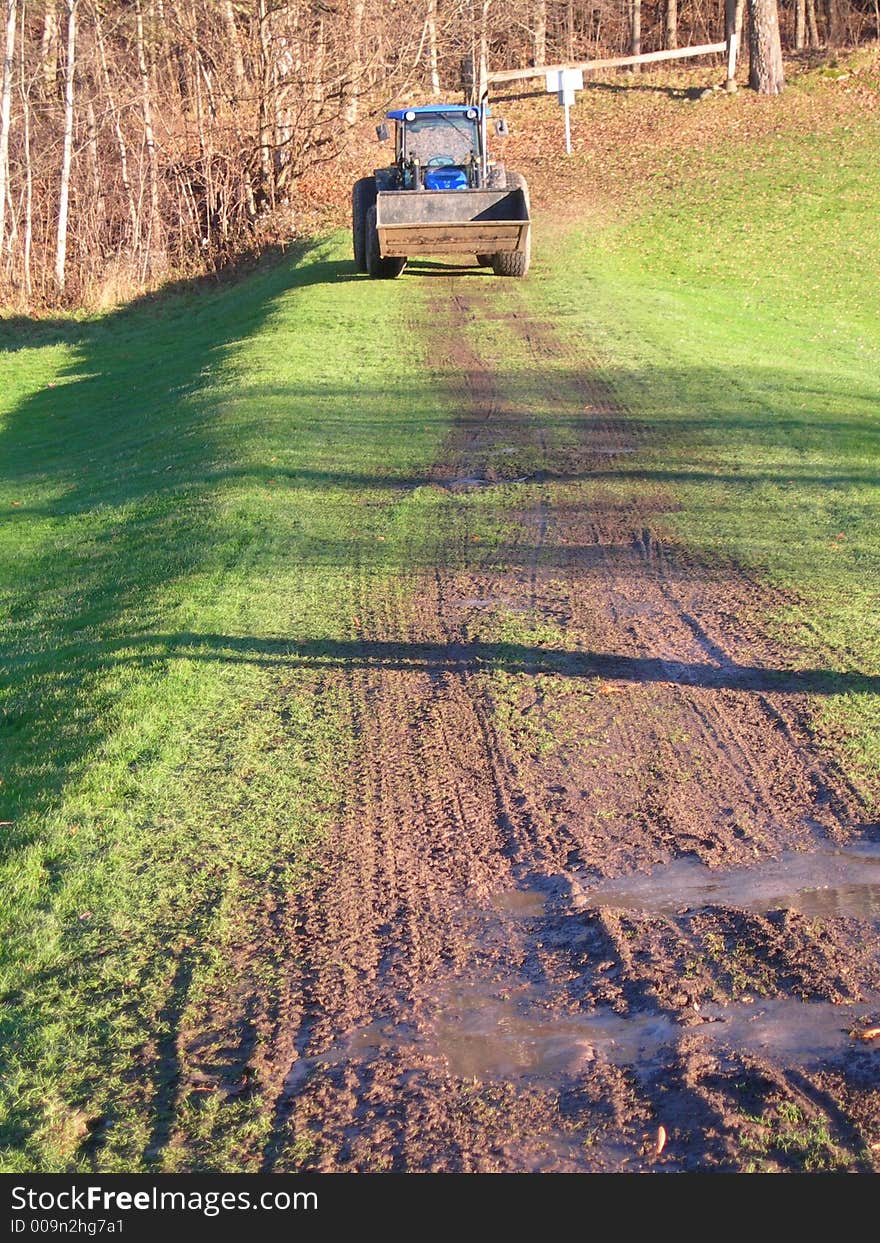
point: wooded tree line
(146, 138)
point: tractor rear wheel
(379, 268)
(363, 196)
(515, 262)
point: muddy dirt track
(569, 901)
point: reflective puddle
(829, 881)
(521, 903)
(505, 1037)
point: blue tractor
(442, 195)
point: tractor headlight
(409, 116)
(471, 114)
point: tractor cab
(438, 147)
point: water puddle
(829, 881)
(468, 482)
(489, 603)
(505, 1036)
(521, 903)
(514, 1026)
(797, 1032)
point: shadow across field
(124, 441)
(457, 658)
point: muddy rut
(567, 903)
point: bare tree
(837, 17)
(672, 23)
(49, 47)
(27, 241)
(431, 28)
(812, 23)
(635, 28)
(154, 244)
(540, 32)
(67, 155)
(766, 74)
(6, 110)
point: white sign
(565, 82)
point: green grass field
(738, 316)
(190, 488)
(195, 488)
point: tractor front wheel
(511, 262)
(515, 262)
(363, 196)
(379, 268)
(485, 261)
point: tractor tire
(485, 261)
(378, 268)
(515, 262)
(363, 196)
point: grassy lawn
(190, 489)
(737, 313)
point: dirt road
(592, 879)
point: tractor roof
(399, 114)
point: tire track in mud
(457, 1001)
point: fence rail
(613, 62)
(729, 46)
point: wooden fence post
(731, 36)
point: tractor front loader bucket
(431, 222)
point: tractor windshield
(449, 138)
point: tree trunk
(356, 57)
(27, 244)
(98, 201)
(766, 74)
(154, 250)
(635, 29)
(838, 22)
(238, 72)
(267, 164)
(635, 32)
(67, 154)
(812, 24)
(484, 47)
(671, 23)
(49, 48)
(239, 94)
(800, 24)
(6, 110)
(431, 20)
(539, 40)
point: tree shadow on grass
(102, 506)
(477, 656)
